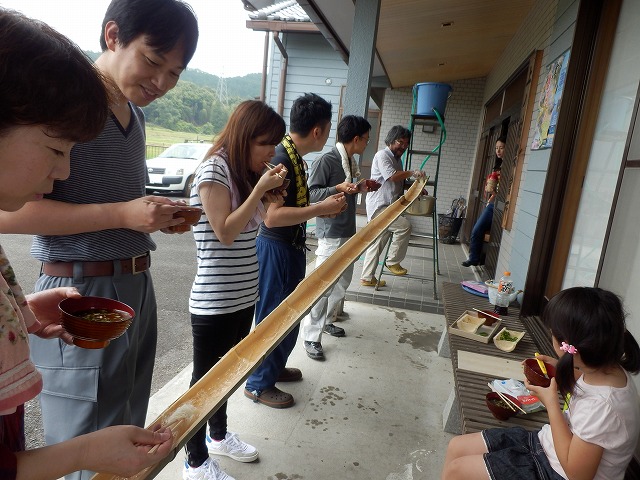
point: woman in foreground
(51, 97)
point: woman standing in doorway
(483, 224)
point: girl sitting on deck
(594, 435)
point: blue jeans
(516, 453)
(483, 224)
(282, 268)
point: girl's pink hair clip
(565, 347)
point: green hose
(444, 138)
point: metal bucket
(423, 205)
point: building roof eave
(281, 26)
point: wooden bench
(468, 397)
(539, 333)
(470, 386)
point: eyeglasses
(402, 144)
(367, 139)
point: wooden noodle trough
(192, 410)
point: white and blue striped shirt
(227, 276)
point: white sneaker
(209, 470)
(232, 447)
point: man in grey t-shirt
(387, 170)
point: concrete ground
(372, 410)
(415, 290)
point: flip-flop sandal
(271, 397)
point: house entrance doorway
(503, 117)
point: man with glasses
(334, 173)
(387, 170)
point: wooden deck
(471, 386)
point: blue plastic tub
(432, 95)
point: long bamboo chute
(192, 410)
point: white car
(173, 170)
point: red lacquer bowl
(498, 407)
(372, 185)
(282, 188)
(94, 321)
(191, 217)
(534, 374)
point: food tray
(484, 332)
(506, 345)
(469, 323)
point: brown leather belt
(98, 269)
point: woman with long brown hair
(230, 187)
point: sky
(225, 48)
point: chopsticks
(510, 403)
(271, 167)
(543, 369)
(488, 314)
(173, 427)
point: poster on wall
(549, 104)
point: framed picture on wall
(549, 103)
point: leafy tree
(207, 129)
(193, 105)
(182, 126)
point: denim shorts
(515, 453)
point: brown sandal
(290, 374)
(271, 397)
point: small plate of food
(506, 340)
